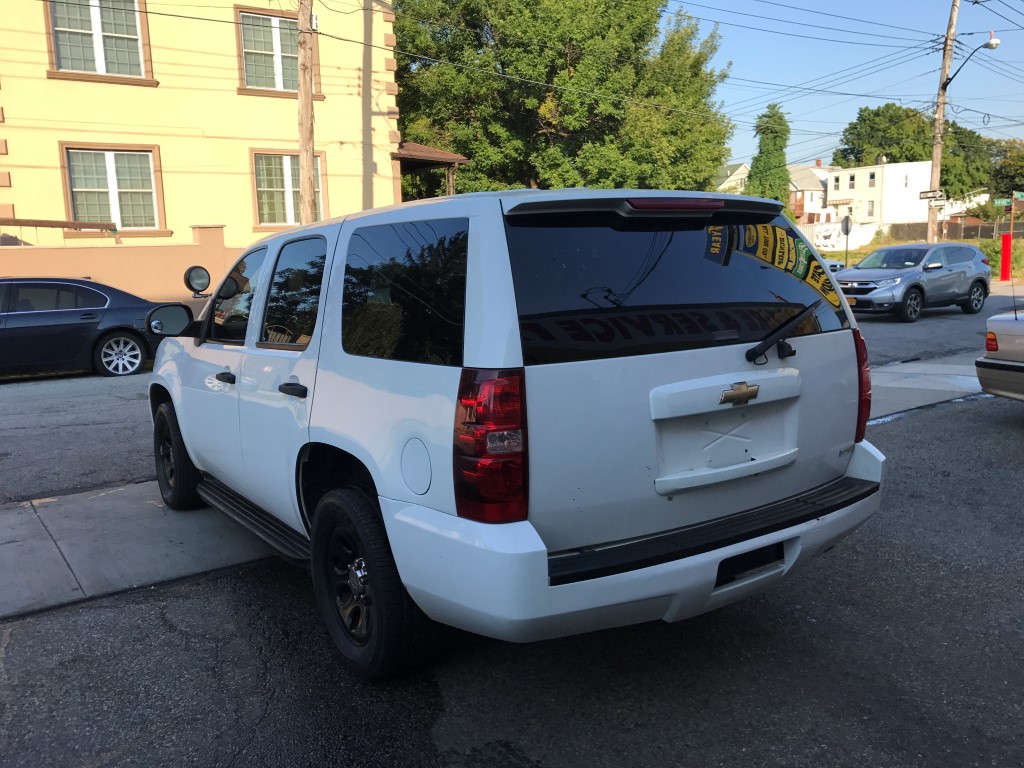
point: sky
(880, 51)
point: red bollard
(1004, 257)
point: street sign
(933, 194)
(846, 225)
(936, 203)
(1001, 202)
(1018, 195)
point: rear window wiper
(779, 333)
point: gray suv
(904, 279)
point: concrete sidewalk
(60, 550)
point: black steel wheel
(176, 475)
(369, 615)
(913, 303)
(975, 299)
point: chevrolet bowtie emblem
(740, 394)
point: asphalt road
(939, 332)
(901, 647)
(71, 433)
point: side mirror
(197, 280)
(170, 320)
(228, 288)
(932, 265)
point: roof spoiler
(656, 207)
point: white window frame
(291, 215)
(275, 26)
(853, 181)
(871, 178)
(112, 189)
(871, 208)
(98, 54)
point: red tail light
(984, 261)
(991, 342)
(864, 374)
(490, 456)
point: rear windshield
(595, 285)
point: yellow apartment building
(177, 121)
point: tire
(910, 309)
(372, 620)
(119, 354)
(975, 299)
(176, 475)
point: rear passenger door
(961, 271)
(941, 282)
(278, 376)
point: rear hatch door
(644, 414)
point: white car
(1001, 369)
(524, 414)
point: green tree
(556, 93)
(1008, 173)
(769, 176)
(904, 135)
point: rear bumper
(495, 580)
(1001, 377)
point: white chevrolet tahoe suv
(524, 414)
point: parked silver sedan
(1001, 369)
(904, 279)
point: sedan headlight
(888, 281)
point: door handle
(226, 376)
(88, 316)
(293, 389)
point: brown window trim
(53, 73)
(274, 93)
(325, 207)
(161, 229)
(243, 89)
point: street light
(940, 111)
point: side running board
(291, 544)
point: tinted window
(42, 297)
(90, 299)
(405, 291)
(3, 297)
(230, 316)
(959, 254)
(295, 293)
(594, 286)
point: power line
(822, 79)
(803, 24)
(846, 18)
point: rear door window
(594, 285)
(43, 297)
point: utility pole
(307, 199)
(940, 117)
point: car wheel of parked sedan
(371, 618)
(119, 354)
(975, 300)
(910, 309)
(176, 475)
